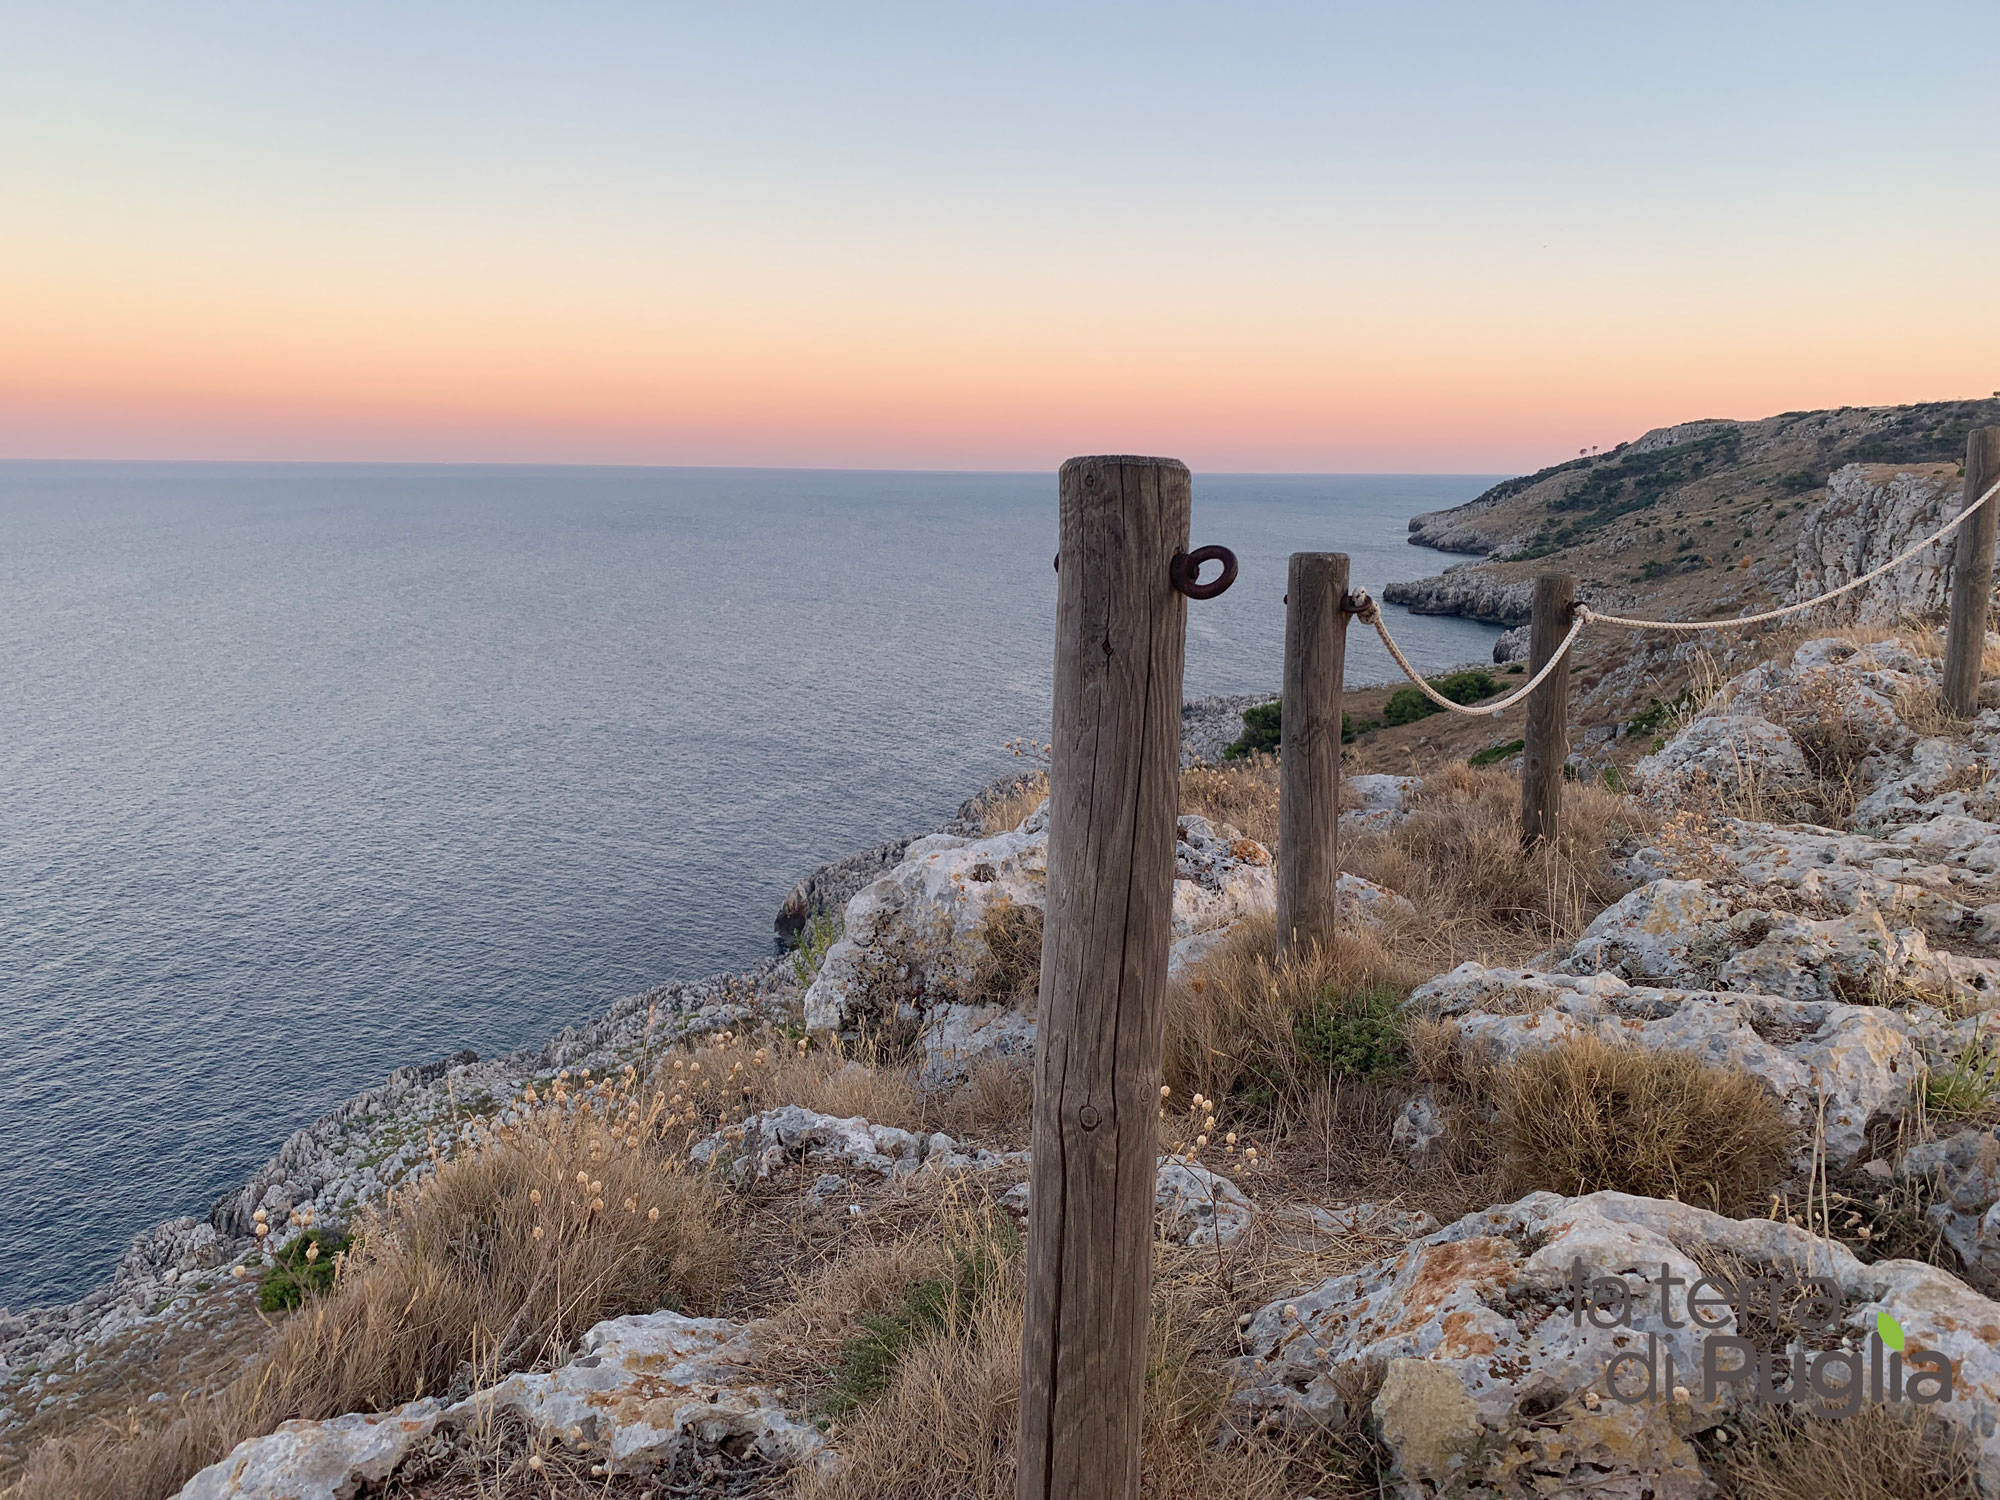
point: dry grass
(1880, 1453)
(1243, 793)
(497, 1261)
(1478, 893)
(1010, 969)
(1239, 1026)
(1584, 1116)
(1002, 811)
(944, 1427)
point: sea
(311, 771)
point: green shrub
(1262, 727)
(935, 1305)
(1407, 705)
(296, 1278)
(818, 935)
(1494, 754)
(1357, 1032)
(1350, 727)
(1964, 1088)
(1658, 714)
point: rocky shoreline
(386, 1135)
(1802, 906)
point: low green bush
(1406, 705)
(1355, 1033)
(1262, 730)
(1492, 755)
(818, 935)
(301, 1273)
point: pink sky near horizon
(300, 242)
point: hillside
(1703, 520)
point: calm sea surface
(307, 772)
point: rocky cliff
(1705, 514)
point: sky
(1416, 236)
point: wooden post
(1548, 710)
(1309, 752)
(1972, 577)
(1114, 777)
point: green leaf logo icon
(1890, 1332)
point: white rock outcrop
(640, 1390)
(329, 1460)
(915, 945)
(754, 1148)
(1869, 515)
(1494, 1386)
(1691, 934)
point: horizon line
(398, 463)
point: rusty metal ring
(1185, 570)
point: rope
(1369, 612)
(1585, 612)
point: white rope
(1367, 610)
(1585, 612)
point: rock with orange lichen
(1493, 1382)
(646, 1387)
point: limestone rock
(1194, 1205)
(1492, 1387)
(1379, 802)
(643, 1388)
(1869, 515)
(1694, 935)
(1964, 1170)
(1197, 1206)
(639, 1389)
(1722, 753)
(1418, 1127)
(331, 1460)
(915, 946)
(1850, 872)
(758, 1146)
(1468, 592)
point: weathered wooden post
(1547, 734)
(1309, 750)
(1114, 775)
(1972, 577)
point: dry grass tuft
(944, 1426)
(1584, 1116)
(1010, 970)
(1478, 893)
(1243, 793)
(1002, 811)
(1246, 1026)
(497, 1261)
(839, 1083)
(1880, 1453)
